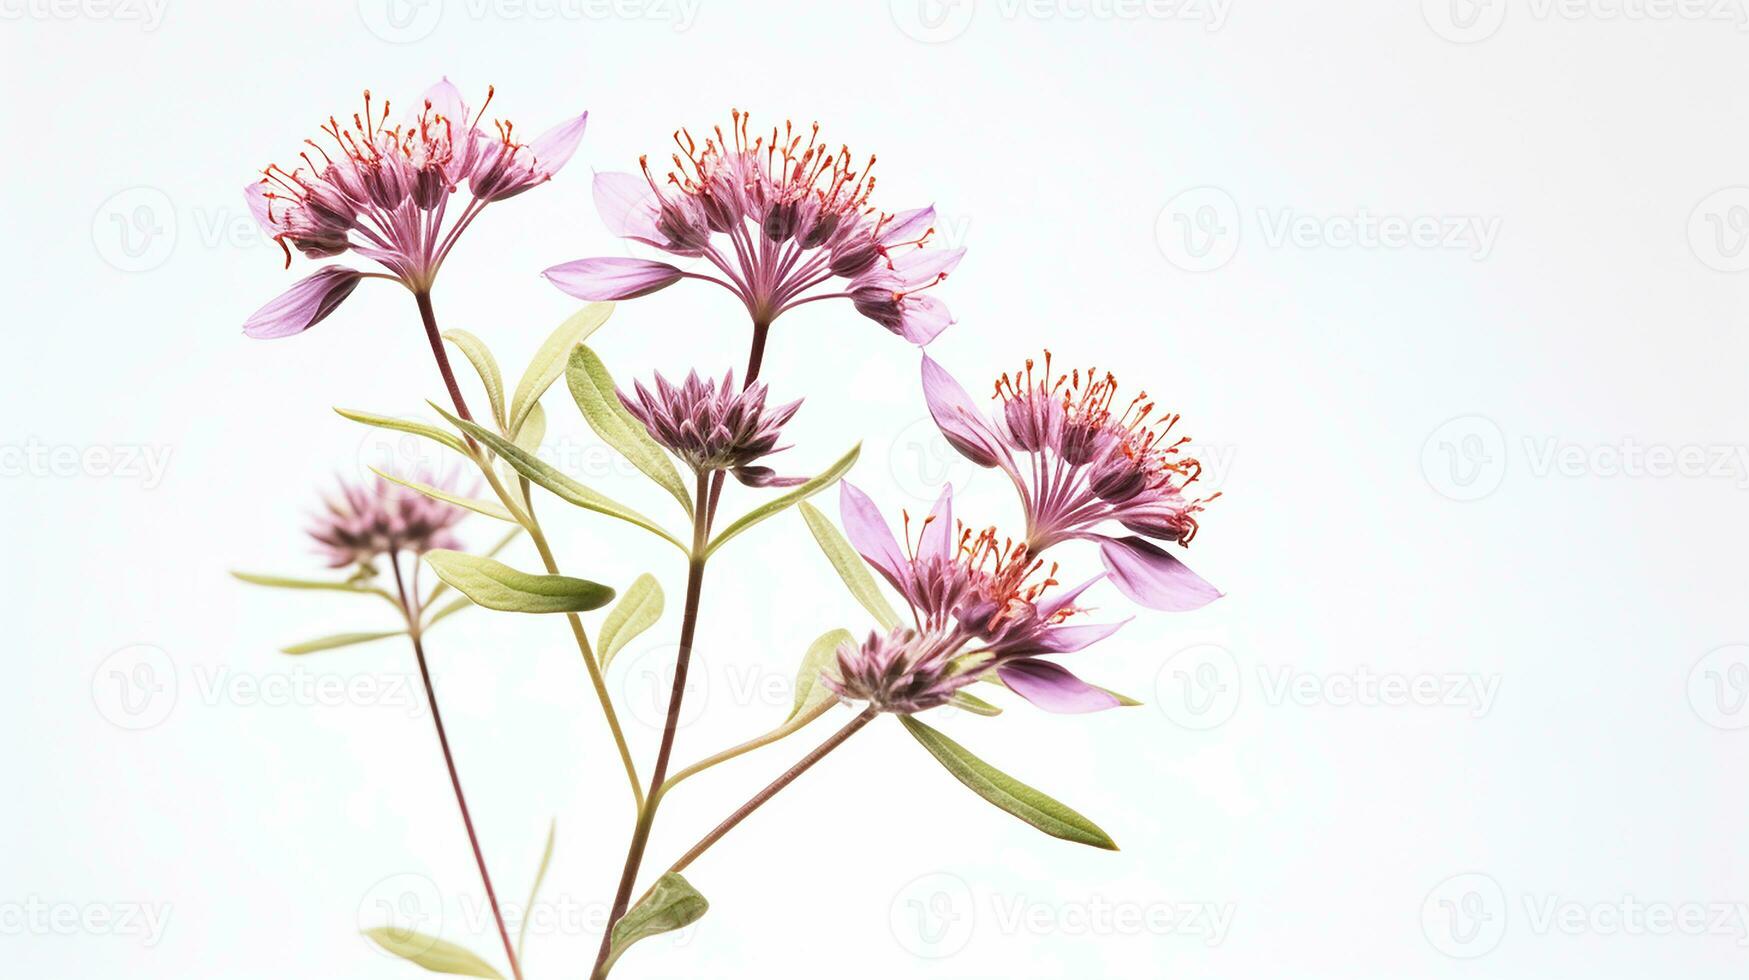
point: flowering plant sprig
(784, 219)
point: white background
(1364, 534)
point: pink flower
(383, 191)
(785, 222)
(715, 425)
(366, 522)
(1079, 458)
(978, 604)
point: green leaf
(592, 387)
(549, 361)
(821, 655)
(1007, 792)
(672, 904)
(279, 582)
(795, 496)
(637, 610)
(480, 356)
(533, 431)
(546, 858)
(850, 566)
(970, 702)
(487, 507)
(454, 606)
(338, 640)
(431, 432)
(432, 953)
(441, 587)
(498, 586)
(565, 488)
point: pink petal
(627, 206)
(958, 417)
(612, 278)
(1062, 600)
(304, 304)
(937, 539)
(553, 148)
(908, 225)
(1068, 639)
(256, 197)
(922, 319)
(869, 534)
(446, 101)
(1150, 576)
(1053, 688)
(926, 265)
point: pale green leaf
(636, 611)
(338, 640)
(280, 582)
(533, 431)
(565, 488)
(432, 953)
(441, 587)
(790, 499)
(489, 508)
(592, 387)
(480, 356)
(974, 704)
(498, 586)
(431, 432)
(672, 904)
(549, 361)
(546, 858)
(849, 565)
(821, 656)
(1007, 792)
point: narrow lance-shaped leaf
(436, 955)
(489, 508)
(821, 656)
(281, 582)
(498, 586)
(974, 704)
(779, 504)
(565, 488)
(486, 366)
(672, 904)
(431, 432)
(637, 610)
(592, 386)
(549, 361)
(849, 565)
(1007, 792)
(546, 858)
(338, 640)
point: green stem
(524, 514)
(647, 814)
(455, 782)
(746, 809)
